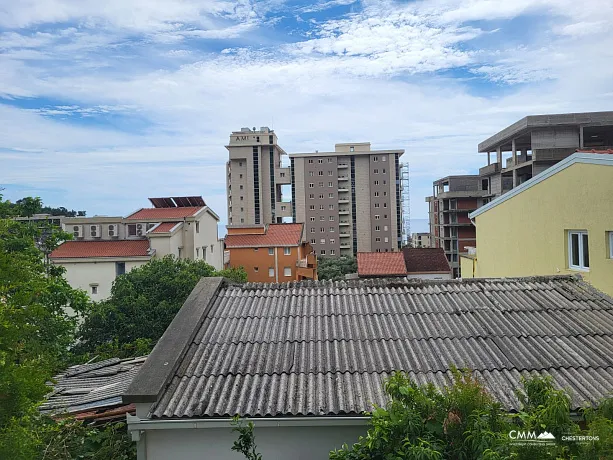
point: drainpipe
(276, 266)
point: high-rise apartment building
(254, 177)
(522, 150)
(350, 200)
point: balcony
(489, 169)
(344, 223)
(340, 178)
(344, 235)
(345, 245)
(342, 189)
(343, 212)
(283, 209)
(342, 165)
(343, 201)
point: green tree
(35, 328)
(143, 302)
(335, 268)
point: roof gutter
(136, 424)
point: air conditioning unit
(113, 231)
(94, 231)
(139, 230)
(77, 231)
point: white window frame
(271, 251)
(271, 272)
(287, 251)
(610, 244)
(287, 271)
(581, 234)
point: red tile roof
(276, 235)
(608, 151)
(164, 227)
(381, 264)
(82, 249)
(426, 260)
(165, 213)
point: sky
(106, 103)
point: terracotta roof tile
(381, 263)
(165, 213)
(164, 227)
(423, 260)
(82, 249)
(276, 235)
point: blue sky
(103, 104)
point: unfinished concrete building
(514, 155)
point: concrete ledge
(155, 374)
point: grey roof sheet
(318, 348)
(91, 386)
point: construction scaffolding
(406, 203)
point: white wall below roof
(430, 276)
(274, 443)
(81, 275)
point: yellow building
(558, 222)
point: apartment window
(312, 207)
(383, 158)
(384, 193)
(240, 176)
(321, 184)
(120, 268)
(240, 187)
(377, 239)
(578, 251)
(283, 208)
(376, 194)
(322, 230)
(321, 207)
(242, 209)
(322, 241)
(376, 171)
(287, 251)
(377, 216)
(320, 160)
(322, 217)
(332, 240)
(375, 158)
(256, 249)
(271, 272)
(377, 228)
(287, 271)
(197, 253)
(310, 161)
(203, 252)
(242, 220)
(376, 182)
(311, 196)
(94, 288)
(331, 229)
(383, 171)
(352, 148)
(271, 140)
(330, 195)
(322, 252)
(312, 219)
(332, 252)
(312, 229)
(311, 173)
(376, 205)
(384, 182)
(330, 161)
(257, 139)
(256, 269)
(454, 245)
(313, 241)
(331, 219)
(385, 216)
(329, 173)
(385, 228)
(331, 207)
(241, 198)
(385, 205)
(330, 184)
(386, 240)
(610, 245)
(321, 196)
(281, 174)
(311, 185)
(240, 163)
(485, 184)
(271, 251)
(320, 173)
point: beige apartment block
(349, 199)
(254, 176)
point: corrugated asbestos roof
(324, 348)
(95, 387)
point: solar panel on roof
(178, 202)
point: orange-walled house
(273, 253)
